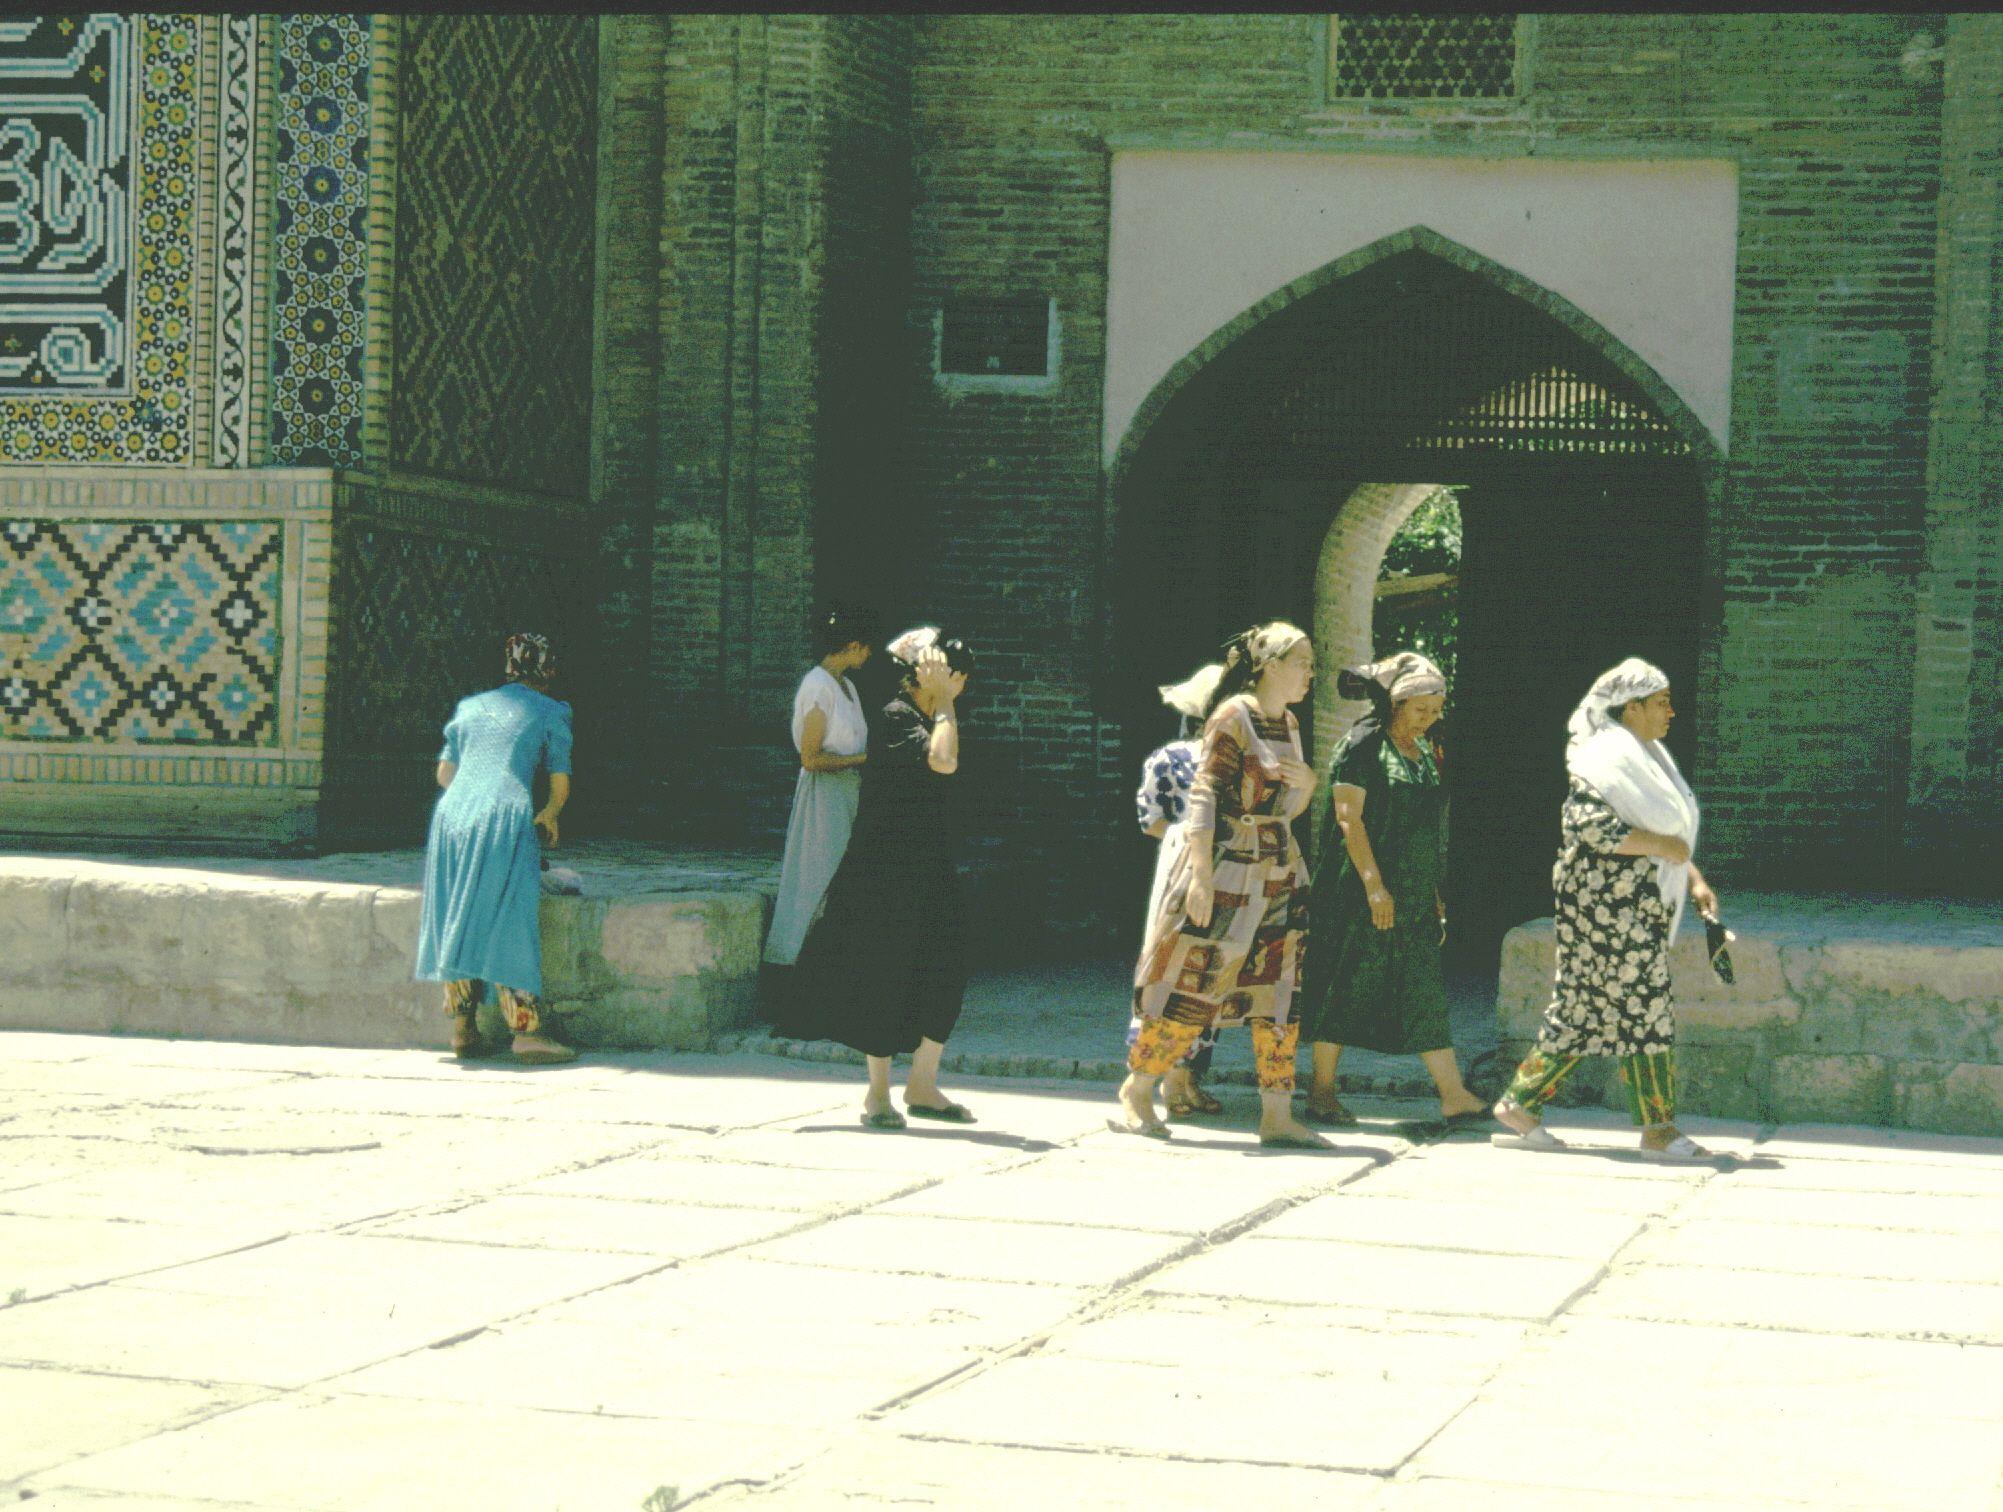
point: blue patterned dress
(482, 861)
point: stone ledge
(1846, 1010)
(104, 947)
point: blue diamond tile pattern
(154, 631)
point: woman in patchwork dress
(1161, 802)
(1224, 946)
(1624, 869)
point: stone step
(99, 947)
(1844, 1010)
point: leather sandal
(1187, 1104)
(534, 1050)
(1331, 1112)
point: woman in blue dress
(482, 860)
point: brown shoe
(534, 1050)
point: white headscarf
(1191, 696)
(1406, 675)
(1638, 779)
(909, 646)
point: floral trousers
(521, 1010)
(1649, 1076)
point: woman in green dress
(1374, 975)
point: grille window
(1406, 57)
(995, 338)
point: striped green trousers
(1648, 1075)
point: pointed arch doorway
(1267, 473)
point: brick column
(770, 245)
(1955, 810)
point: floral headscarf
(529, 658)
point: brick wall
(1955, 818)
(1817, 520)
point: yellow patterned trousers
(521, 1010)
(1162, 1042)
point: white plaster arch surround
(1646, 249)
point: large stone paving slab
(1734, 1369)
(684, 1174)
(783, 1308)
(642, 1372)
(1228, 1410)
(1333, 1273)
(1177, 1197)
(594, 1224)
(39, 1256)
(1809, 1250)
(358, 1454)
(1718, 1294)
(1770, 1454)
(382, 1279)
(858, 1475)
(1909, 1212)
(1392, 1349)
(74, 1414)
(1441, 1223)
(975, 1250)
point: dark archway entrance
(1582, 501)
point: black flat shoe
(951, 1113)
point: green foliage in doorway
(1428, 544)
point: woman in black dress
(884, 969)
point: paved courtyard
(255, 1276)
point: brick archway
(1661, 396)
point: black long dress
(886, 963)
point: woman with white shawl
(1161, 803)
(1624, 870)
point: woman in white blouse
(832, 736)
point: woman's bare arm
(447, 770)
(1348, 801)
(813, 756)
(1642, 842)
(559, 795)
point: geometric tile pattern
(236, 140)
(98, 186)
(495, 219)
(420, 622)
(1420, 57)
(157, 631)
(320, 240)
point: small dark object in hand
(1719, 940)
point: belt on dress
(1251, 837)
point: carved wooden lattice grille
(1406, 57)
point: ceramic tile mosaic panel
(320, 240)
(154, 631)
(98, 191)
(494, 246)
(237, 149)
